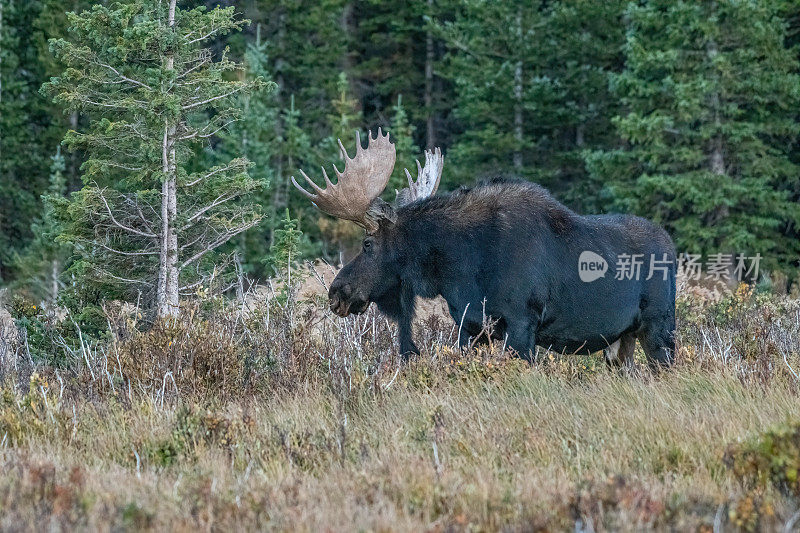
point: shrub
(189, 355)
(193, 427)
(35, 413)
(772, 459)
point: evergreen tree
(286, 250)
(294, 150)
(345, 117)
(584, 45)
(531, 89)
(308, 48)
(708, 87)
(51, 23)
(502, 95)
(42, 263)
(26, 135)
(255, 137)
(704, 137)
(344, 120)
(397, 51)
(144, 74)
(402, 133)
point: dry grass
(287, 418)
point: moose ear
(379, 213)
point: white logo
(591, 266)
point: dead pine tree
(146, 219)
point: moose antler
(428, 178)
(364, 178)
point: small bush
(46, 335)
(43, 496)
(770, 460)
(33, 414)
(194, 427)
(188, 355)
(614, 502)
(752, 333)
(753, 511)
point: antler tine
(307, 194)
(328, 184)
(428, 177)
(410, 179)
(316, 188)
(438, 160)
(364, 177)
(342, 151)
(408, 174)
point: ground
(291, 419)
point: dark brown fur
(510, 249)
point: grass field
(286, 418)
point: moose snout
(344, 299)
(338, 296)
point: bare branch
(209, 100)
(203, 37)
(204, 59)
(121, 252)
(208, 175)
(219, 200)
(225, 237)
(195, 241)
(123, 226)
(145, 222)
(122, 76)
(110, 163)
(198, 134)
(125, 280)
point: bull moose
(506, 250)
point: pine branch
(122, 226)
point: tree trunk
(518, 123)
(167, 294)
(346, 25)
(2, 4)
(580, 133)
(717, 150)
(430, 141)
(717, 158)
(74, 178)
(55, 270)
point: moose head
(372, 275)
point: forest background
(682, 112)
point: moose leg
(407, 310)
(620, 354)
(521, 337)
(658, 343)
(611, 353)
